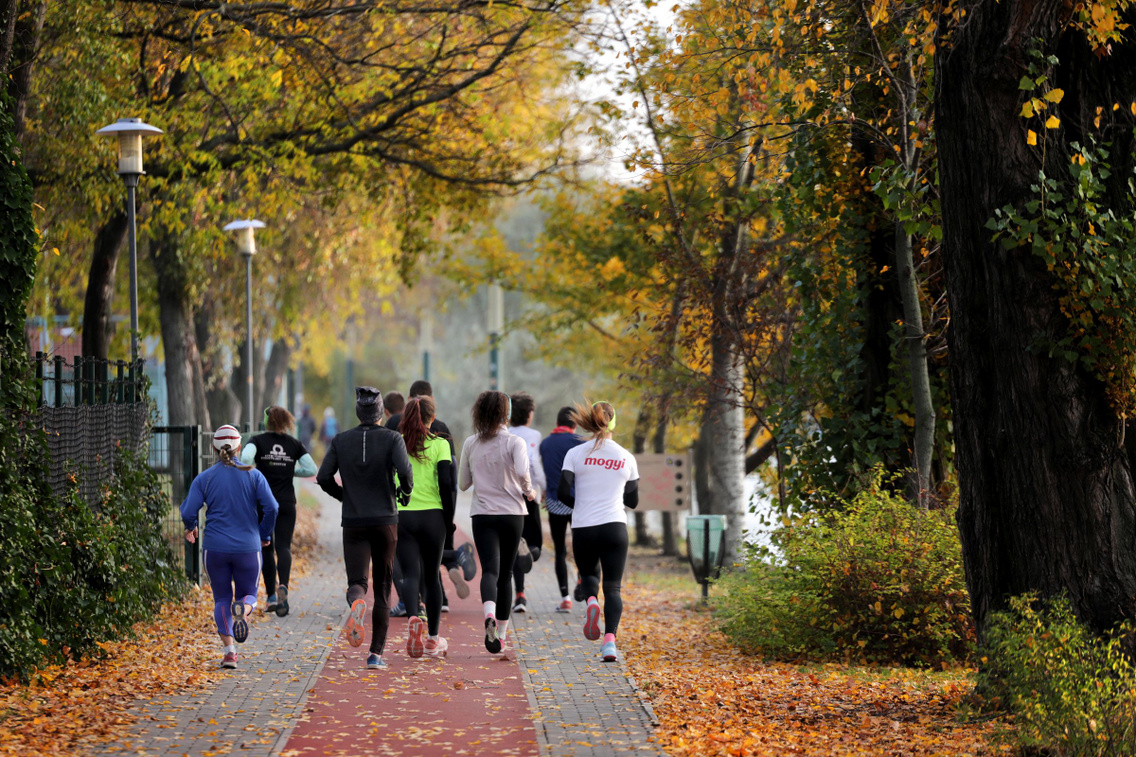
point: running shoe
(592, 620)
(460, 586)
(445, 607)
(608, 650)
(374, 661)
(565, 605)
(240, 625)
(270, 604)
(415, 630)
(522, 604)
(466, 561)
(355, 629)
(524, 559)
(229, 660)
(578, 593)
(282, 604)
(436, 647)
(398, 611)
(492, 642)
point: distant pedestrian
(552, 451)
(330, 426)
(306, 426)
(598, 481)
(393, 404)
(532, 537)
(422, 524)
(367, 459)
(242, 514)
(280, 458)
(496, 464)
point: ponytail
(597, 419)
(229, 457)
(415, 426)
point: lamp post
(246, 246)
(130, 132)
(496, 326)
(426, 340)
(705, 537)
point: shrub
(878, 580)
(1070, 690)
(71, 577)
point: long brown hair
(278, 420)
(490, 411)
(229, 457)
(594, 420)
(415, 426)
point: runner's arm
(564, 489)
(402, 467)
(192, 505)
(446, 490)
(268, 505)
(306, 467)
(248, 454)
(465, 475)
(326, 476)
(631, 494)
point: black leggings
(496, 538)
(534, 540)
(603, 546)
(278, 554)
(375, 545)
(558, 525)
(421, 536)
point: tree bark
(638, 446)
(24, 49)
(723, 438)
(97, 305)
(272, 377)
(179, 340)
(9, 11)
(659, 444)
(1045, 466)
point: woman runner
(279, 457)
(422, 524)
(496, 464)
(606, 479)
(367, 458)
(235, 536)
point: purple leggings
(226, 569)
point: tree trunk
(179, 340)
(272, 377)
(9, 12)
(97, 328)
(722, 437)
(659, 444)
(1045, 468)
(24, 49)
(638, 446)
(921, 398)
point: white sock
(502, 629)
(489, 608)
(562, 598)
(434, 637)
(230, 648)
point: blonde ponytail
(595, 419)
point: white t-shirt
(600, 477)
(532, 438)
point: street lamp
(426, 340)
(705, 537)
(130, 132)
(246, 246)
(496, 326)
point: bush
(71, 577)
(878, 580)
(1070, 690)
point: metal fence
(89, 412)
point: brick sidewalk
(578, 705)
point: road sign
(665, 482)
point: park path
(301, 690)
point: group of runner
(396, 476)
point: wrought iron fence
(174, 456)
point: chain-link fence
(89, 409)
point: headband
(611, 423)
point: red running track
(470, 703)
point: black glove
(402, 497)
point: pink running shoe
(592, 620)
(415, 630)
(436, 647)
(565, 605)
(229, 660)
(355, 629)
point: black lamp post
(705, 548)
(130, 132)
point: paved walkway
(301, 690)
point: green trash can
(705, 548)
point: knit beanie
(368, 404)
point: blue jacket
(553, 448)
(233, 496)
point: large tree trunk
(659, 444)
(272, 377)
(25, 44)
(184, 394)
(722, 438)
(1045, 467)
(97, 329)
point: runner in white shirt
(532, 536)
(606, 480)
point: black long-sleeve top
(367, 458)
